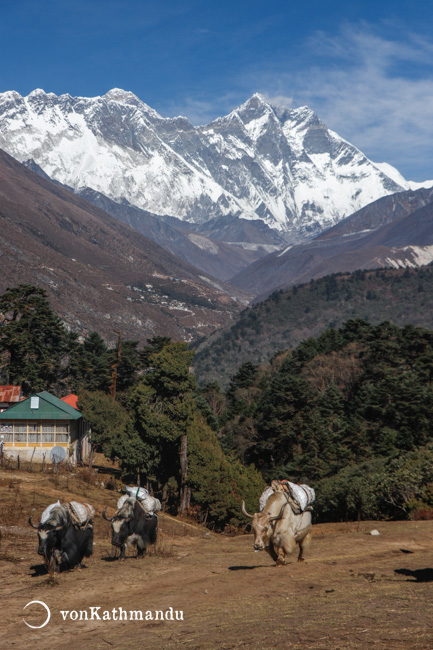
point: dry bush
(234, 531)
(195, 515)
(339, 368)
(12, 512)
(423, 514)
(161, 548)
(88, 475)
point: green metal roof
(50, 408)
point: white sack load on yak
(46, 513)
(302, 495)
(139, 493)
(65, 534)
(148, 503)
(81, 513)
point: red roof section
(71, 399)
(10, 394)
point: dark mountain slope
(183, 239)
(100, 274)
(379, 235)
(187, 241)
(402, 296)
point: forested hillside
(350, 413)
(283, 320)
(142, 403)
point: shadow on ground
(39, 570)
(42, 569)
(420, 575)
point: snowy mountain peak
(256, 100)
(282, 166)
(127, 98)
(255, 104)
(119, 95)
(9, 97)
(37, 92)
(302, 118)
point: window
(33, 432)
(62, 431)
(47, 432)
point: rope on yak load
(300, 497)
(81, 513)
(150, 505)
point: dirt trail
(353, 591)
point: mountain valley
(99, 273)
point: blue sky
(365, 67)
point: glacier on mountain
(284, 167)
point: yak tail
(153, 533)
(89, 547)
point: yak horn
(280, 515)
(245, 512)
(104, 516)
(31, 523)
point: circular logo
(39, 602)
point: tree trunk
(164, 493)
(184, 490)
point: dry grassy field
(354, 590)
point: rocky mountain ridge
(283, 167)
(394, 231)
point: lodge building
(33, 427)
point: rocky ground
(354, 590)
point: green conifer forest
(350, 412)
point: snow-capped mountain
(394, 231)
(284, 167)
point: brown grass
(354, 590)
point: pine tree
(33, 341)
(93, 364)
(162, 406)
